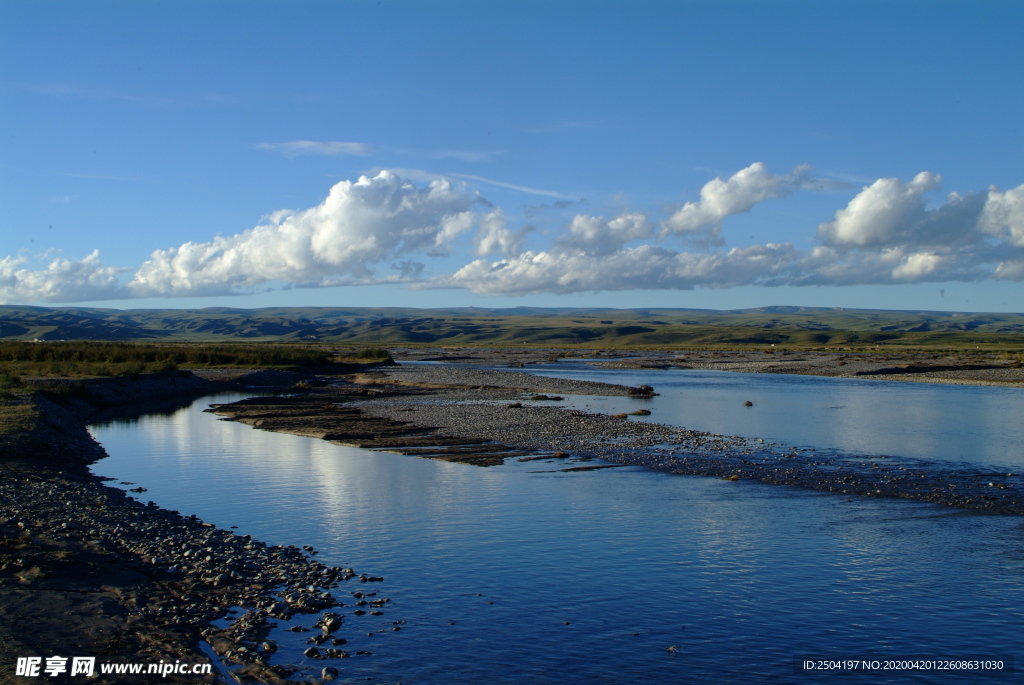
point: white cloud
(880, 212)
(650, 267)
(1012, 270)
(63, 280)
(376, 229)
(495, 235)
(593, 235)
(720, 199)
(891, 233)
(917, 266)
(885, 235)
(1003, 215)
(642, 267)
(360, 224)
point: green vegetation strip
(87, 358)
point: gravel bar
(427, 375)
(509, 418)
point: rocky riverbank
(431, 409)
(87, 570)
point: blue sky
(869, 154)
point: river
(516, 574)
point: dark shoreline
(86, 570)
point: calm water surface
(487, 565)
(981, 425)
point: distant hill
(806, 326)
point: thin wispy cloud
(334, 148)
(844, 179)
(137, 99)
(78, 90)
(424, 176)
(537, 210)
(463, 155)
(512, 186)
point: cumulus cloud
(887, 231)
(824, 265)
(1003, 215)
(650, 267)
(882, 212)
(1011, 270)
(593, 235)
(642, 267)
(378, 229)
(63, 280)
(358, 227)
(721, 199)
(495, 235)
(887, 234)
(360, 224)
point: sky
(718, 155)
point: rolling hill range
(804, 326)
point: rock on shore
(87, 570)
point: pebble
(206, 570)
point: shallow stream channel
(523, 574)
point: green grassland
(803, 327)
(89, 358)
(21, 360)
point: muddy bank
(508, 420)
(87, 570)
